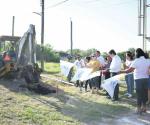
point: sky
(99, 24)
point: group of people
(95, 62)
(136, 67)
(108, 67)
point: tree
(91, 51)
(122, 55)
(48, 53)
(132, 50)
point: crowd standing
(136, 69)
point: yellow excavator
(20, 52)
(20, 62)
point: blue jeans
(130, 82)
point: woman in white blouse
(140, 67)
(129, 76)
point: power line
(57, 4)
(111, 4)
(125, 2)
(94, 1)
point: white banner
(83, 74)
(65, 67)
(110, 84)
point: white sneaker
(129, 96)
(126, 94)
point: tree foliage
(82, 53)
(49, 55)
(122, 55)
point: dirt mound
(19, 85)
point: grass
(30, 108)
(68, 107)
(89, 108)
(52, 68)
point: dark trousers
(96, 82)
(107, 75)
(116, 91)
(77, 83)
(142, 91)
(70, 75)
(113, 73)
(88, 83)
(99, 85)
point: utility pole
(13, 22)
(42, 34)
(144, 25)
(71, 37)
(142, 21)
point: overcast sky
(100, 24)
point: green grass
(68, 107)
(52, 68)
(30, 108)
(89, 108)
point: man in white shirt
(115, 66)
(100, 58)
(79, 63)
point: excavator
(20, 61)
(21, 57)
